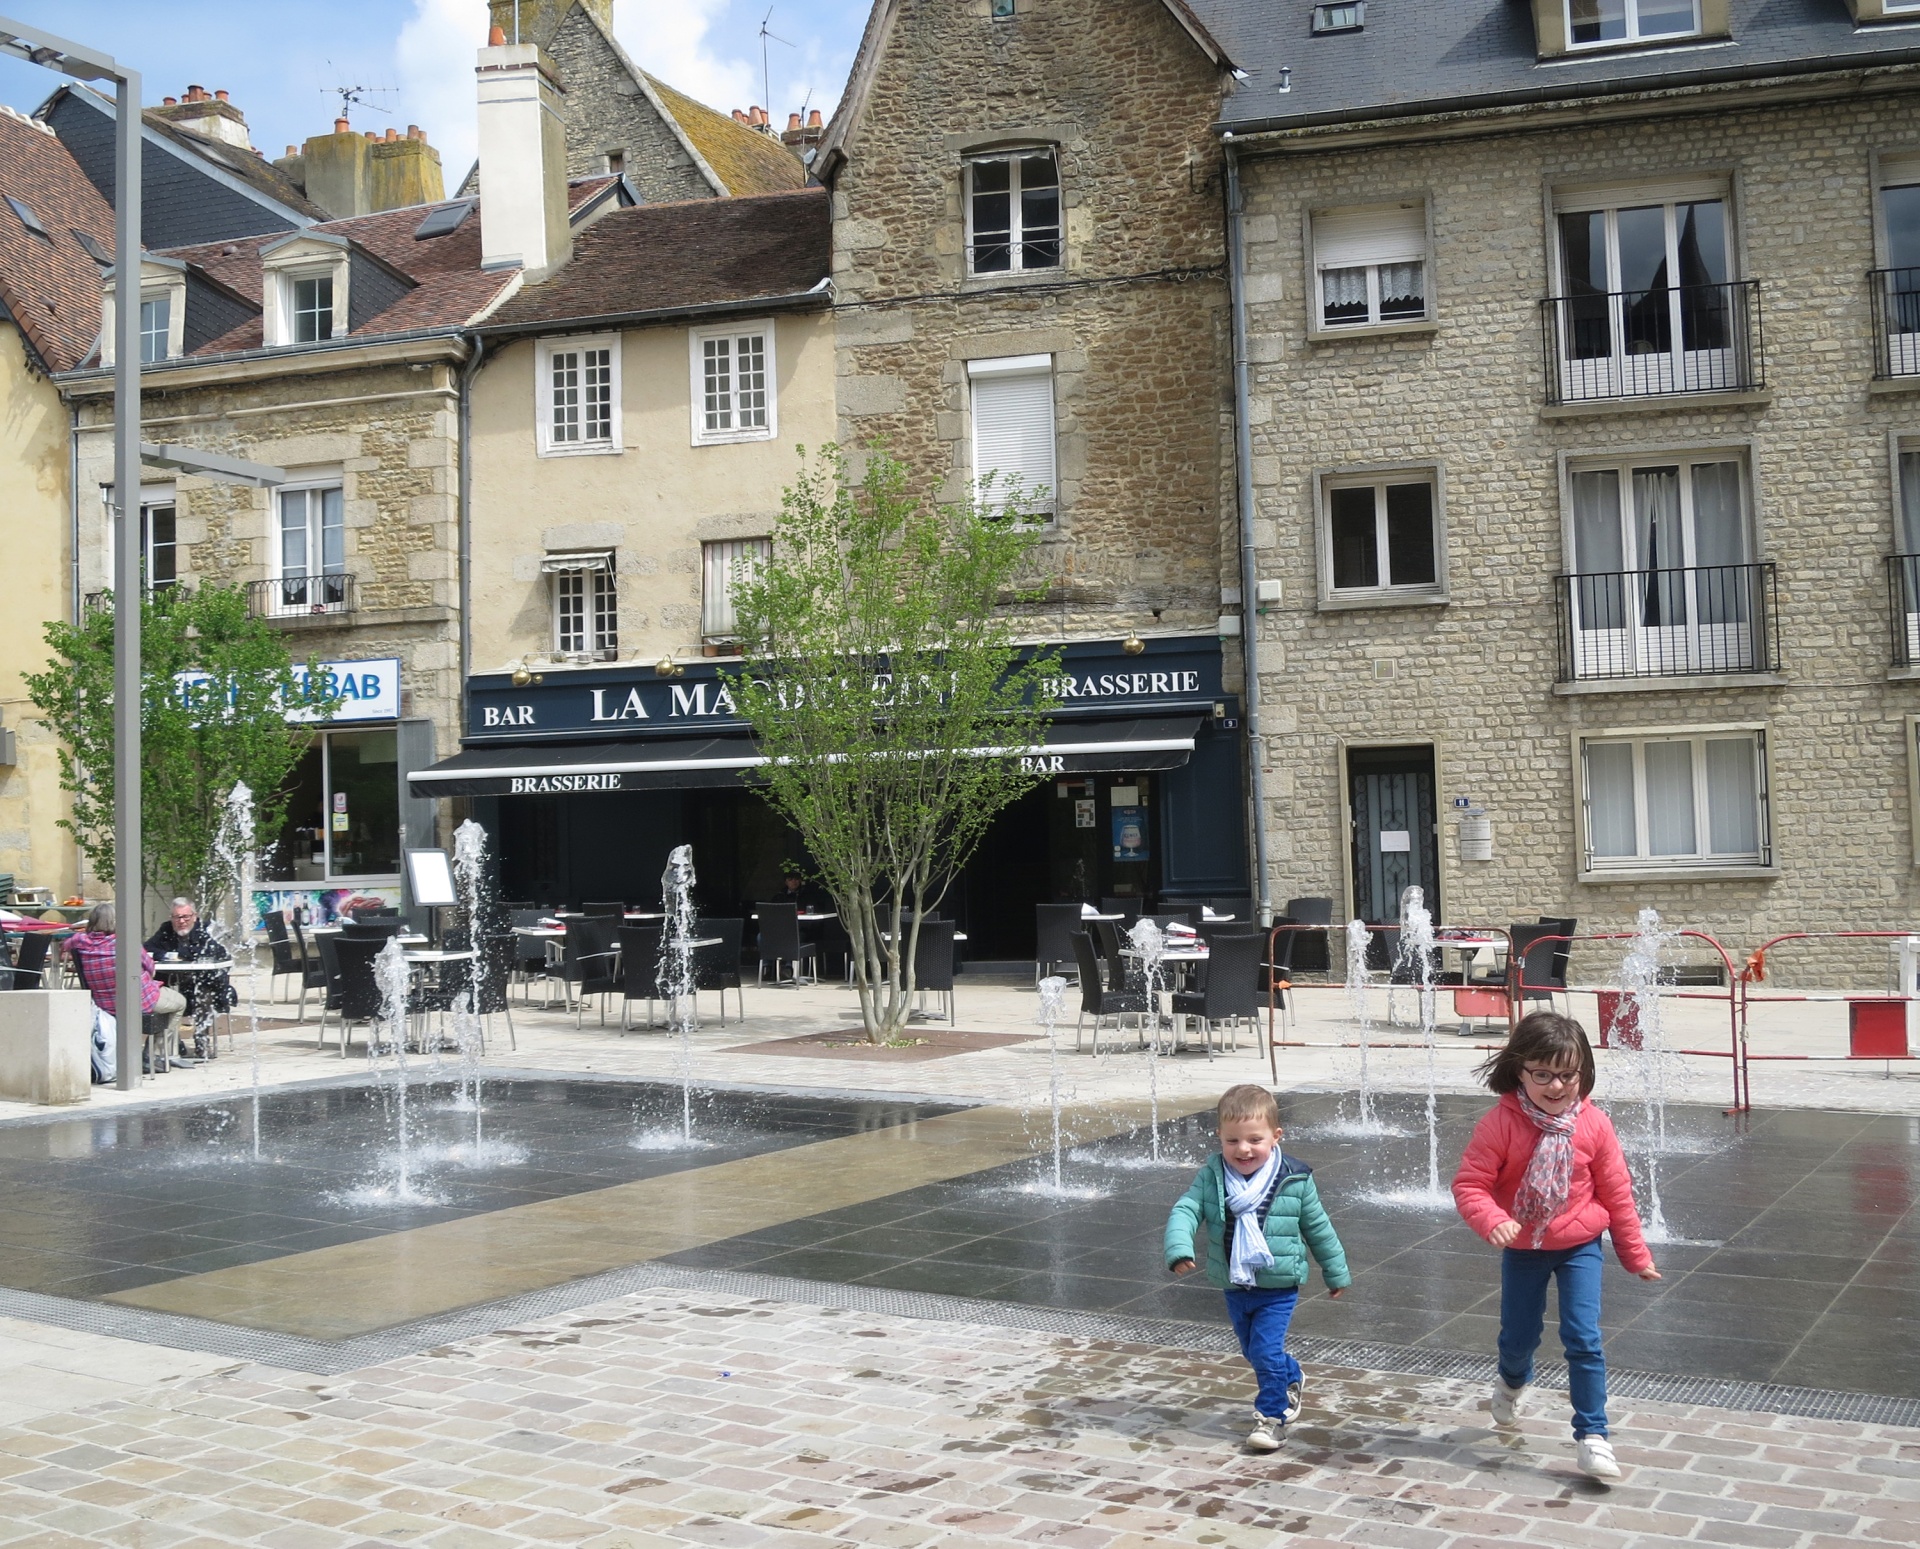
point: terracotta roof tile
(747, 161)
(693, 253)
(51, 287)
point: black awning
(1075, 747)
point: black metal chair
(6, 961)
(933, 962)
(1276, 972)
(782, 942)
(30, 961)
(362, 928)
(602, 911)
(357, 986)
(1096, 997)
(639, 971)
(1053, 928)
(1542, 959)
(287, 963)
(1129, 908)
(590, 963)
(1231, 993)
(1310, 954)
(1106, 935)
(312, 965)
(1562, 951)
(329, 945)
(376, 912)
(718, 967)
(493, 973)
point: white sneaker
(1504, 1400)
(1595, 1456)
(1265, 1435)
(1292, 1411)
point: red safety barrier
(1879, 1026)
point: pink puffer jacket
(1599, 1197)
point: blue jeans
(1524, 1273)
(1260, 1320)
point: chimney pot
(373, 134)
(793, 121)
(496, 37)
(739, 117)
(196, 93)
(392, 133)
(220, 95)
(341, 126)
(293, 150)
(167, 102)
(813, 119)
(415, 132)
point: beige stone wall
(1137, 323)
(390, 433)
(35, 516)
(1475, 676)
(654, 502)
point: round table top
(824, 914)
(441, 956)
(1471, 943)
(174, 965)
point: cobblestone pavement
(668, 1418)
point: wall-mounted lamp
(523, 675)
(667, 667)
(1133, 645)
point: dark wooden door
(1396, 841)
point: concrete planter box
(46, 1046)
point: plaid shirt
(94, 954)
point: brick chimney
(523, 159)
(207, 113)
(802, 138)
(351, 174)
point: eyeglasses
(1545, 1078)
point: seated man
(92, 952)
(185, 939)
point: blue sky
(279, 58)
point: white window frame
(1318, 267)
(160, 280)
(152, 498)
(282, 288)
(722, 563)
(1016, 228)
(732, 433)
(1634, 35)
(585, 577)
(546, 393)
(994, 499)
(1703, 862)
(1378, 478)
(277, 605)
(304, 255)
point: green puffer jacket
(1294, 1220)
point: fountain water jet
(676, 970)
(1051, 991)
(1151, 943)
(387, 1051)
(469, 873)
(235, 846)
(1640, 979)
(1415, 965)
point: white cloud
(434, 55)
(672, 39)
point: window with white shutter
(724, 566)
(1370, 265)
(733, 383)
(1013, 435)
(578, 383)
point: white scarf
(1250, 1251)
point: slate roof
(683, 256)
(49, 284)
(745, 160)
(251, 168)
(1417, 56)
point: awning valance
(1080, 747)
(579, 559)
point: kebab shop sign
(368, 690)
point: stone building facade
(1659, 640)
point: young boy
(1261, 1216)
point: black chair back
(359, 929)
(1107, 934)
(377, 912)
(718, 967)
(358, 984)
(588, 960)
(1233, 976)
(1089, 965)
(933, 956)
(1312, 953)
(640, 962)
(1563, 950)
(1534, 957)
(780, 933)
(1053, 928)
(496, 970)
(330, 968)
(601, 911)
(280, 944)
(30, 961)
(1279, 966)
(1129, 907)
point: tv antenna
(766, 72)
(352, 97)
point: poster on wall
(1129, 833)
(1083, 813)
(322, 905)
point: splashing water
(387, 1050)
(676, 969)
(1417, 953)
(1358, 939)
(1051, 991)
(234, 844)
(1640, 979)
(1151, 944)
(469, 874)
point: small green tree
(898, 716)
(216, 686)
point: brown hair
(1248, 1101)
(1542, 1038)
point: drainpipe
(467, 374)
(1249, 572)
(73, 487)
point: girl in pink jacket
(1542, 1178)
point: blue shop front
(587, 778)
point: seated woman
(185, 939)
(92, 951)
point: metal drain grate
(328, 1357)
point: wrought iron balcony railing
(301, 596)
(1668, 623)
(1903, 607)
(1669, 339)
(1896, 321)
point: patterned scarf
(1542, 1194)
(1250, 1253)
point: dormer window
(1595, 23)
(303, 289)
(163, 306)
(1013, 212)
(155, 315)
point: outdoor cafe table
(807, 919)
